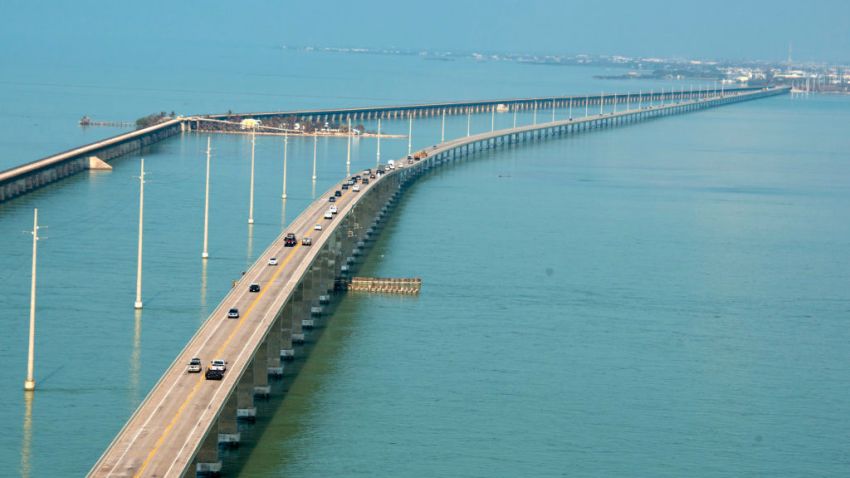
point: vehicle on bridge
(254, 287)
(233, 314)
(317, 227)
(332, 209)
(218, 364)
(307, 241)
(194, 366)
(290, 240)
(272, 261)
(345, 185)
(214, 374)
(338, 193)
(329, 215)
(332, 199)
(356, 188)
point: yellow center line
(198, 382)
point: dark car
(233, 314)
(254, 287)
(290, 240)
(337, 193)
(345, 185)
(214, 374)
(365, 181)
(332, 199)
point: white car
(218, 364)
(194, 366)
(329, 215)
(317, 227)
(272, 261)
(332, 209)
(356, 188)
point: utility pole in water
(138, 304)
(348, 155)
(205, 253)
(378, 161)
(410, 133)
(315, 149)
(285, 147)
(443, 128)
(251, 198)
(29, 383)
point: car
(329, 215)
(214, 374)
(307, 241)
(332, 209)
(338, 193)
(218, 364)
(345, 185)
(272, 261)
(317, 227)
(233, 314)
(290, 240)
(356, 188)
(194, 366)
(332, 199)
(254, 287)
(371, 176)
(366, 181)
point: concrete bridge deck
(178, 428)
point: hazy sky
(818, 29)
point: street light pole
(285, 147)
(29, 383)
(138, 304)
(205, 253)
(251, 198)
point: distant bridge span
(178, 429)
(27, 177)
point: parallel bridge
(178, 429)
(30, 176)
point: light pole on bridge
(443, 128)
(348, 154)
(410, 133)
(315, 149)
(468, 121)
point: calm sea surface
(665, 299)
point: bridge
(180, 426)
(33, 175)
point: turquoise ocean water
(664, 299)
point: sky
(819, 30)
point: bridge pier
(228, 431)
(261, 371)
(245, 409)
(206, 460)
(297, 313)
(272, 343)
(286, 319)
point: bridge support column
(207, 461)
(286, 350)
(297, 312)
(272, 344)
(228, 433)
(261, 371)
(245, 409)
